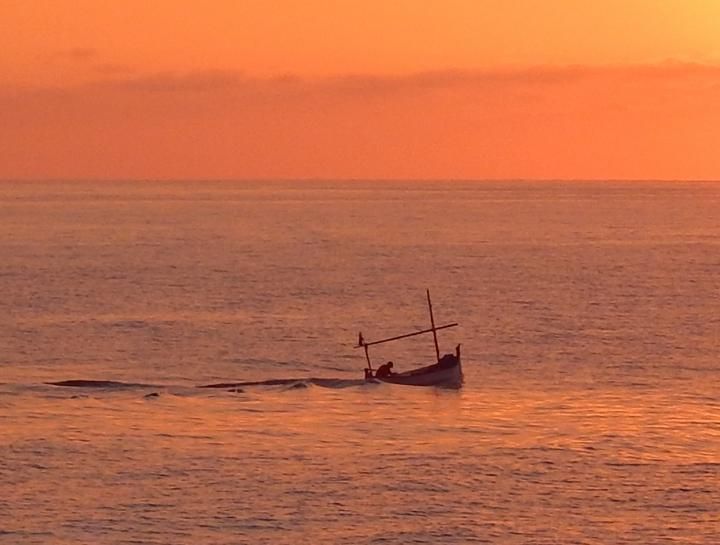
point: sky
(346, 89)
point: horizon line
(355, 180)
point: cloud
(75, 54)
(210, 80)
(113, 70)
(124, 79)
(638, 121)
(64, 58)
(80, 53)
(533, 84)
(541, 90)
(350, 84)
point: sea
(589, 321)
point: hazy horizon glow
(321, 89)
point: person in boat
(385, 370)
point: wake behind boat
(445, 372)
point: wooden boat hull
(446, 374)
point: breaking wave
(287, 382)
(323, 382)
(82, 383)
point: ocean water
(589, 319)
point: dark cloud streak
(122, 78)
(80, 53)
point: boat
(446, 372)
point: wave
(82, 383)
(288, 382)
(292, 382)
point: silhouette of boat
(445, 372)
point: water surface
(590, 332)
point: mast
(362, 343)
(434, 329)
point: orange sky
(360, 89)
